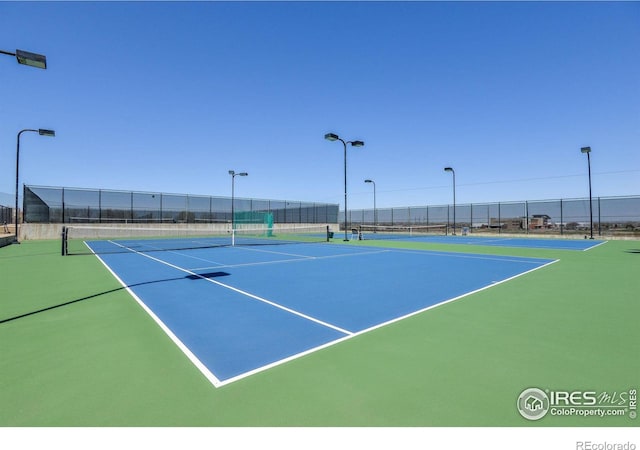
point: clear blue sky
(168, 96)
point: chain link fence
(76, 205)
(6, 218)
(611, 216)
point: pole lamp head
(43, 132)
(31, 59)
(357, 143)
(368, 181)
(331, 137)
(242, 174)
(585, 149)
(448, 169)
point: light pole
(233, 177)
(41, 132)
(587, 150)
(335, 137)
(28, 58)
(450, 169)
(375, 211)
(40, 62)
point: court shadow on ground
(111, 291)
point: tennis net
(103, 239)
(371, 232)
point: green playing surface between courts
(77, 350)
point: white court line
(184, 255)
(297, 255)
(175, 252)
(533, 247)
(523, 259)
(504, 242)
(482, 241)
(261, 263)
(251, 249)
(594, 246)
(290, 260)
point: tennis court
(238, 310)
(360, 333)
(492, 241)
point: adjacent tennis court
(492, 241)
(444, 235)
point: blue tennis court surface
(235, 311)
(496, 241)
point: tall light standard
(587, 150)
(233, 177)
(375, 211)
(450, 169)
(335, 137)
(40, 62)
(28, 58)
(41, 132)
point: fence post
(489, 217)
(561, 219)
(447, 229)
(599, 221)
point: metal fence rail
(75, 205)
(611, 215)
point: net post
(327, 233)
(64, 241)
